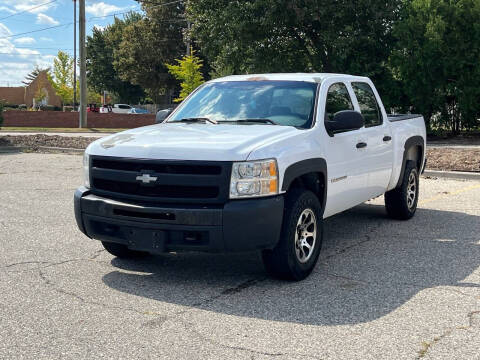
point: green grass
(41, 129)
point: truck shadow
(369, 266)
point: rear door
(378, 139)
(347, 175)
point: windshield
(288, 103)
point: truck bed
(400, 117)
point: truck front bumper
(240, 225)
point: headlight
(254, 178)
(86, 169)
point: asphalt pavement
(382, 289)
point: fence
(57, 119)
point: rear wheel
(297, 252)
(401, 203)
(122, 251)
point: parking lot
(382, 289)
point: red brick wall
(13, 95)
(53, 119)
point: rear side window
(338, 99)
(124, 107)
(368, 104)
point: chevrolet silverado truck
(251, 162)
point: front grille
(176, 181)
(170, 191)
(162, 168)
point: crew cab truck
(252, 162)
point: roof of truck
(310, 77)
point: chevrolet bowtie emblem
(146, 178)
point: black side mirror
(162, 115)
(345, 120)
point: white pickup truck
(252, 162)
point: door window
(368, 104)
(338, 99)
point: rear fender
(412, 147)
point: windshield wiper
(197, 119)
(260, 121)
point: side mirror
(162, 115)
(345, 120)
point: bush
(437, 60)
(47, 108)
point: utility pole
(74, 55)
(83, 68)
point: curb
(16, 149)
(453, 174)
(12, 149)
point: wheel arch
(310, 174)
(413, 150)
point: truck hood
(179, 141)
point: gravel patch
(33, 142)
(448, 159)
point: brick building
(27, 94)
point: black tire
(282, 261)
(122, 251)
(398, 202)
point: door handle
(387, 138)
(361, 145)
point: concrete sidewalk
(450, 146)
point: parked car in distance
(121, 108)
(105, 109)
(138, 111)
(252, 162)
(92, 108)
(162, 115)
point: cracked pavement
(382, 289)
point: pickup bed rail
(400, 117)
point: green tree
(297, 35)
(40, 94)
(62, 78)
(149, 44)
(438, 60)
(33, 75)
(101, 73)
(188, 71)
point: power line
(157, 4)
(70, 23)
(24, 11)
(41, 48)
(129, 11)
(104, 16)
(34, 31)
(18, 54)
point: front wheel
(401, 203)
(297, 252)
